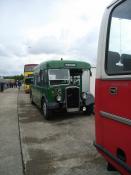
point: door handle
(113, 90)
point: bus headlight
(58, 98)
(84, 96)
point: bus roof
(59, 64)
(29, 68)
(30, 64)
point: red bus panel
(113, 122)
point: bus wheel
(46, 111)
(89, 109)
(110, 167)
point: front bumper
(62, 105)
(56, 105)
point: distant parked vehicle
(28, 76)
(62, 85)
(2, 84)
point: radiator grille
(72, 97)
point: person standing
(19, 84)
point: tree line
(15, 77)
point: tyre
(89, 109)
(45, 110)
(110, 167)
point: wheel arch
(43, 98)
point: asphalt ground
(61, 146)
(10, 151)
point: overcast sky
(32, 31)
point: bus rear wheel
(110, 167)
(46, 111)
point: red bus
(113, 87)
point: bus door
(37, 88)
(40, 86)
(113, 87)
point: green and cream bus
(62, 84)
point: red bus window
(119, 46)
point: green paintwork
(55, 64)
(50, 92)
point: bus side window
(126, 60)
(43, 77)
(35, 80)
(38, 80)
(33, 83)
(113, 59)
(118, 60)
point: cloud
(12, 50)
(3, 51)
(47, 45)
(86, 47)
(17, 49)
(51, 47)
(8, 65)
(44, 30)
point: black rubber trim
(115, 3)
(120, 162)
